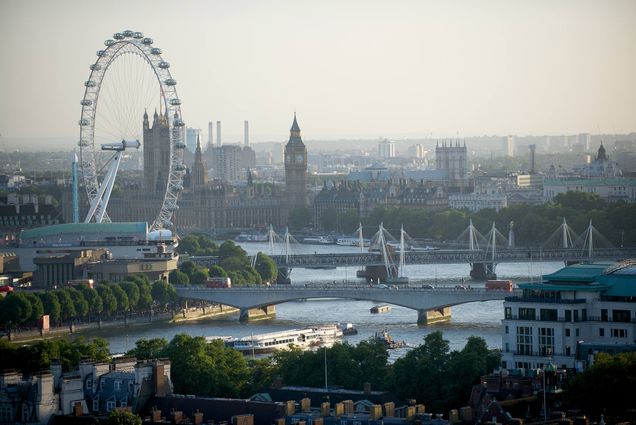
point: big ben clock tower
(295, 168)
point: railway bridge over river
(431, 304)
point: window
(527, 314)
(507, 347)
(110, 405)
(89, 384)
(6, 414)
(101, 384)
(508, 313)
(506, 328)
(568, 350)
(604, 315)
(621, 316)
(576, 315)
(619, 333)
(568, 315)
(522, 365)
(546, 341)
(601, 332)
(548, 314)
(117, 385)
(524, 339)
(567, 332)
(576, 331)
(584, 314)
(95, 405)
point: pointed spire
(295, 126)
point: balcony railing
(545, 300)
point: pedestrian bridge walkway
(420, 299)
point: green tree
(37, 309)
(51, 305)
(145, 297)
(67, 307)
(177, 277)
(122, 298)
(189, 245)
(219, 371)
(230, 249)
(16, 308)
(163, 293)
(79, 302)
(266, 267)
(123, 417)
(109, 300)
(349, 220)
(199, 276)
(217, 271)
(146, 349)
(605, 387)
(188, 267)
(95, 303)
(132, 291)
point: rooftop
(85, 229)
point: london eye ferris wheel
(128, 78)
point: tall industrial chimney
(533, 149)
(210, 138)
(246, 133)
(218, 133)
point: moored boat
(328, 333)
(275, 341)
(388, 340)
(380, 308)
(348, 329)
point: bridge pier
(373, 273)
(426, 317)
(258, 313)
(482, 271)
(283, 277)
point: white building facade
(569, 316)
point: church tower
(156, 146)
(295, 168)
(199, 173)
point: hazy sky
(351, 69)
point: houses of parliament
(206, 203)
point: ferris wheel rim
(129, 42)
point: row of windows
(614, 333)
(546, 314)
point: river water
(480, 318)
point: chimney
(246, 133)
(218, 133)
(305, 404)
(533, 149)
(324, 409)
(389, 409)
(290, 407)
(159, 380)
(176, 416)
(210, 138)
(348, 406)
(198, 416)
(155, 415)
(77, 409)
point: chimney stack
(533, 149)
(246, 133)
(210, 128)
(218, 133)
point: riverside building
(570, 315)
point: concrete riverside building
(570, 315)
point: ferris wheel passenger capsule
(175, 102)
(102, 53)
(95, 67)
(173, 207)
(138, 35)
(180, 145)
(82, 143)
(164, 65)
(86, 102)
(90, 83)
(128, 33)
(170, 82)
(179, 122)
(167, 223)
(118, 36)
(109, 43)
(147, 41)
(155, 51)
(84, 122)
(179, 167)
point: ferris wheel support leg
(106, 186)
(109, 186)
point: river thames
(480, 318)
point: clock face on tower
(299, 159)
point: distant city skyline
(351, 70)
